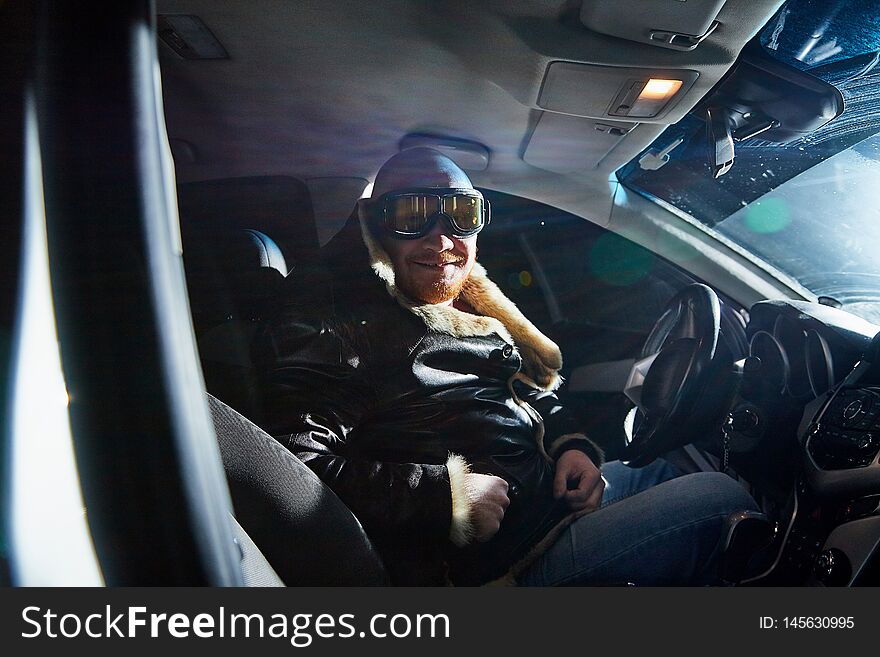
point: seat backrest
(225, 224)
(232, 277)
(256, 571)
(305, 532)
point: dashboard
(812, 381)
(805, 348)
(796, 353)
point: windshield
(823, 228)
(810, 207)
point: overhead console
(613, 92)
(605, 95)
(590, 108)
(675, 24)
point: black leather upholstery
(279, 206)
(231, 274)
(233, 277)
(305, 532)
(233, 269)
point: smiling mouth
(436, 265)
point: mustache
(438, 258)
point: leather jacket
(378, 394)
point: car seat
(234, 268)
(232, 276)
(288, 514)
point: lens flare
(617, 261)
(769, 215)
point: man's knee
(714, 493)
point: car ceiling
(319, 89)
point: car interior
(179, 164)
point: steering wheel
(666, 382)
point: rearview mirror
(763, 96)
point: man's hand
(579, 481)
(488, 495)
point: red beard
(438, 291)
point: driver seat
(306, 534)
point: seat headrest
(231, 273)
(250, 249)
(232, 252)
(280, 206)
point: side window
(561, 269)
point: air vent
(189, 37)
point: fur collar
(541, 357)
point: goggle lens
(409, 214)
(466, 212)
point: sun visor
(570, 144)
(675, 24)
(613, 92)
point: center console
(842, 440)
(836, 537)
(846, 435)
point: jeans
(654, 527)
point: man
(424, 398)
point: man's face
(433, 268)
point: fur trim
(511, 577)
(541, 358)
(588, 446)
(461, 532)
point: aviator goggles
(411, 213)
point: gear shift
(746, 534)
